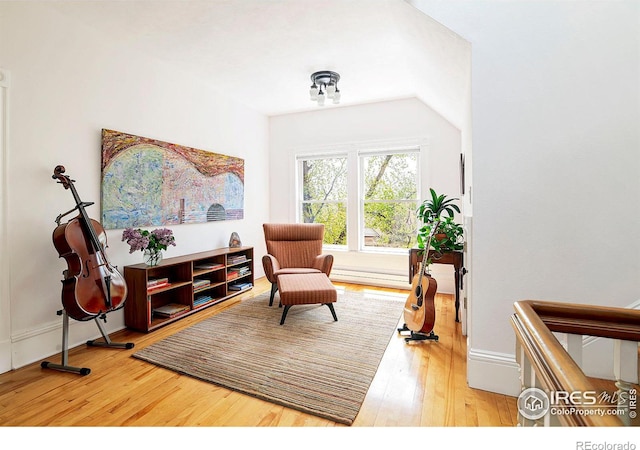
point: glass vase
(152, 257)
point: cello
(92, 287)
(419, 309)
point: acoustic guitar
(419, 309)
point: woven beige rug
(310, 363)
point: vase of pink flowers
(150, 242)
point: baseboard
(500, 373)
(46, 342)
(391, 279)
(370, 278)
(5, 356)
(493, 372)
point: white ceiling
(262, 52)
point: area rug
(310, 363)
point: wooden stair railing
(549, 367)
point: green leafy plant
(431, 209)
(449, 235)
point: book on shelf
(232, 274)
(236, 259)
(201, 283)
(157, 286)
(170, 310)
(156, 281)
(202, 299)
(240, 286)
(208, 266)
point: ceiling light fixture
(328, 81)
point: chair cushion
(302, 289)
(294, 270)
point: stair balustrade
(555, 390)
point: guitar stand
(64, 356)
(416, 336)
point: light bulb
(313, 92)
(331, 89)
(336, 97)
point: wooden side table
(452, 258)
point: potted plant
(448, 236)
(150, 242)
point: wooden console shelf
(183, 285)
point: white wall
(346, 128)
(556, 165)
(66, 86)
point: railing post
(574, 348)
(527, 380)
(625, 360)
(625, 369)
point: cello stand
(64, 356)
(107, 342)
(416, 336)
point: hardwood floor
(417, 384)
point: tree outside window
(390, 199)
(324, 196)
(387, 198)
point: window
(324, 196)
(366, 199)
(389, 199)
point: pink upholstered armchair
(294, 248)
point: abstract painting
(146, 182)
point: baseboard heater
(374, 277)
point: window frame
(300, 190)
(353, 152)
(362, 247)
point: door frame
(6, 361)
